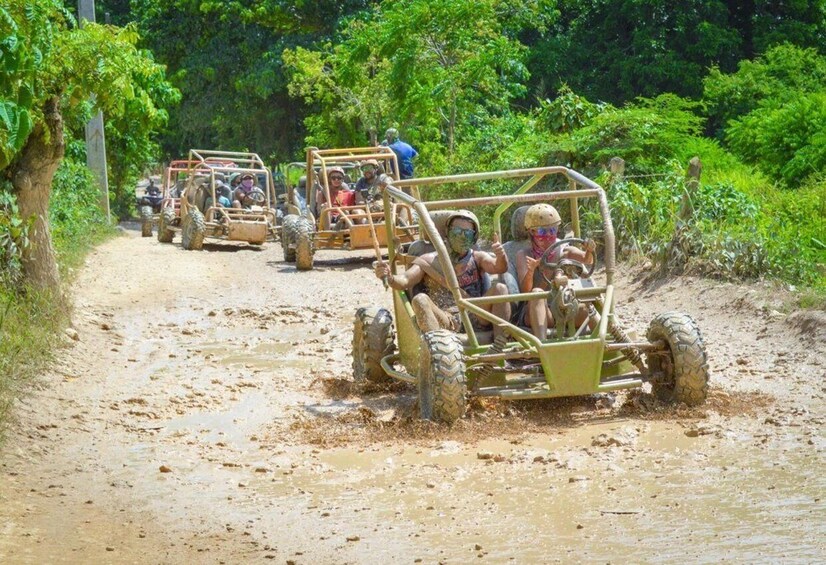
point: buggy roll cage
(394, 191)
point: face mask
(460, 241)
(246, 183)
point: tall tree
(434, 65)
(51, 68)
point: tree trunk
(32, 179)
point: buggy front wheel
(682, 366)
(442, 381)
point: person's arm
(412, 276)
(495, 264)
(586, 257)
(525, 268)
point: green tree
(430, 64)
(52, 69)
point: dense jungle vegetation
(473, 85)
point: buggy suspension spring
(621, 337)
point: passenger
(223, 193)
(340, 194)
(435, 308)
(542, 222)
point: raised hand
(498, 250)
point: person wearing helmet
(404, 152)
(247, 193)
(435, 308)
(340, 194)
(542, 222)
(367, 187)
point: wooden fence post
(692, 184)
(617, 168)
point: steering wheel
(571, 267)
(255, 197)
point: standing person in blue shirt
(404, 152)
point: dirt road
(206, 415)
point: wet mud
(207, 414)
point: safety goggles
(338, 178)
(468, 233)
(367, 168)
(546, 231)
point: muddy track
(207, 414)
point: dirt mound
(810, 323)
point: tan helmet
(332, 170)
(370, 162)
(464, 215)
(540, 215)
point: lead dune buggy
(448, 368)
(202, 215)
(307, 227)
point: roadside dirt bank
(206, 414)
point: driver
(435, 308)
(542, 223)
(367, 187)
(244, 195)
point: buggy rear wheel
(684, 365)
(165, 221)
(304, 246)
(288, 236)
(193, 229)
(146, 221)
(442, 382)
(372, 340)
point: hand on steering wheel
(255, 197)
(571, 267)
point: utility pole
(95, 138)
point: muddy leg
(502, 310)
(429, 316)
(539, 316)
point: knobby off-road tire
(304, 248)
(288, 236)
(685, 368)
(146, 221)
(167, 218)
(442, 382)
(193, 229)
(372, 340)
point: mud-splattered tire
(193, 229)
(146, 221)
(442, 382)
(685, 367)
(288, 235)
(165, 221)
(304, 248)
(372, 340)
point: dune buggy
(206, 201)
(596, 356)
(309, 226)
(169, 216)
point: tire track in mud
(234, 375)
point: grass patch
(32, 323)
(31, 330)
